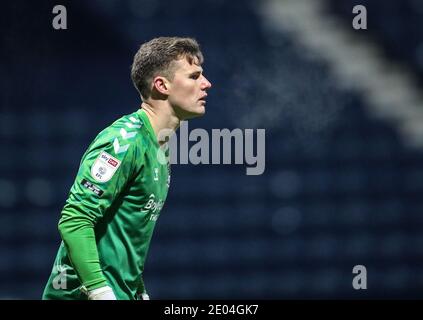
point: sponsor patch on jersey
(104, 167)
(92, 187)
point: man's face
(188, 89)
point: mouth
(203, 99)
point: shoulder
(124, 136)
(117, 148)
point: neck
(162, 119)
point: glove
(144, 296)
(103, 293)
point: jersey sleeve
(104, 171)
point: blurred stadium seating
(341, 187)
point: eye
(195, 75)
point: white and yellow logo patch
(104, 167)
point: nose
(205, 84)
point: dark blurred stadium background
(343, 117)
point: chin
(198, 112)
(201, 111)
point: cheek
(185, 91)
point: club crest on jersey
(104, 167)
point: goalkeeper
(108, 220)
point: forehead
(183, 65)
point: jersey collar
(141, 113)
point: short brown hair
(155, 57)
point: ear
(161, 84)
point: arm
(92, 193)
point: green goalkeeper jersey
(109, 216)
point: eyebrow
(200, 71)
